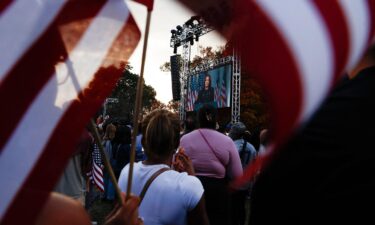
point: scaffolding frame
(236, 87)
(184, 36)
(184, 79)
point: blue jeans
(109, 189)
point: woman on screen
(206, 95)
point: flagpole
(107, 165)
(138, 105)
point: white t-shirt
(170, 196)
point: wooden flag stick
(138, 106)
(107, 165)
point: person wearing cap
(247, 154)
(245, 149)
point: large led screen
(210, 87)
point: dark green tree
(125, 93)
(254, 107)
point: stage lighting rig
(188, 32)
(185, 35)
(174, 32)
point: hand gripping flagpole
(138, 105)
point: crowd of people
(193, 167)
(324, 172)
(196, 163)
(77, 180)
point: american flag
(220, 93)
(59, 60)
(217, 91)
(96, 173)
(223, 92)
(193, 92)
(297, 50)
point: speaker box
(175, 73)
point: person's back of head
(123, 135)
(162, 134)
(110, 132)
(237, 131)
(190, 124)
(207, 116)
(247, 136)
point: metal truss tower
(236, 87)
(185, 36)
(184, 79)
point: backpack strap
(245, 156)
(211, 148)
(149, 181)
(244, 145)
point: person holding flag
(67, 48)
(309, 49)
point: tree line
(125, 93)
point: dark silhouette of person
(189, 124)
(325, 173)
(121, 148)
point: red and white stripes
(96, 173)
(223, 93)
(311, 42)
(358, 20)
(97, 178)
(314, 80)
(296, 49)
(309, 30)
(20, 29)
(51, 83)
